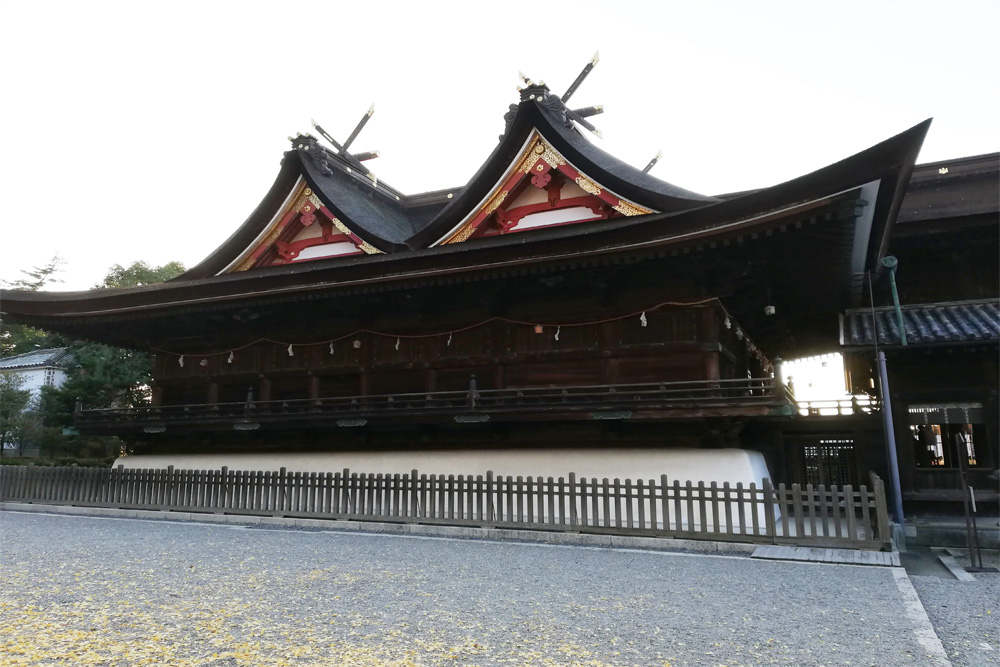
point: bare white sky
(151, 131)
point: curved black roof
(393, 222)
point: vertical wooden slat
(450, 492)
(866, 518)
(505, 497)
(852, 526)
(835, 494)
(688, 502)
(716, 524)
(520, 500)
(355, 501)
(490, 501)
(769, 528)
(702, 506)
(531, 499)
(412, 494)
(607, 503)
(653, 523)
(783, 504)
(561, 511)
(629, 513)
(665, 503)
(583, 517)
(574, 512)
(799, 511)
(881, 510)
(379, 491)
(550, 500)
(595, 502)
(618, 503)
(728, 504)
(396, 492)
(741, 508)
(824, 526)
(811, 501)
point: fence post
(224, 488)
(574, 517)
(881, 511)
(769, 530)
(489, 497)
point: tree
(139, 273)
(18, 338)
(101, 376)
(13, 404)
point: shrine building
(561, 311)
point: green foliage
(18, 338)
(139, 273)
(15, 423)
(99, 376)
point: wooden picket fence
(819, 516)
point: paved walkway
(100, 591)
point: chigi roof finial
(652, 163)
(355, 159)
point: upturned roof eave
(888, 160)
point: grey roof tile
(926, 324)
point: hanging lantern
(356, 344)
(642, 319)
(539, 328)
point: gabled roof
(960, 322)
(53, 356)
(391, 222)
(825, 229)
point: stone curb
(459, 532)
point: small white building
(41, 368)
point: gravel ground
(965, 614)
(79, 591)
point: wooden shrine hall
(561, 299)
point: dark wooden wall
(677, 344)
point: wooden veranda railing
(744, 391)
(806, 516)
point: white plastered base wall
(696, 465)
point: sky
(150, 131)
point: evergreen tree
(18, 338)
(101, 376)
(13, 404)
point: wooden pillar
(212, 393)
(611, 370)
(430, 380)
(709, 333)
(710, 365)
(157, 398)
(363, 383)
(314, 388)
(709, 330)
(265, 390)
(498, 376)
